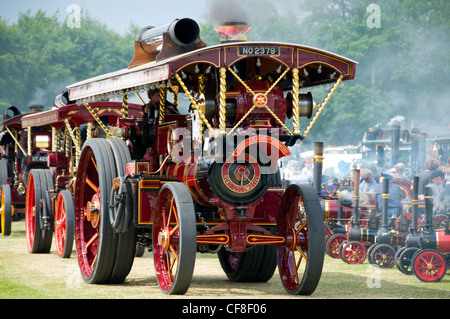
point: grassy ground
(46, 276)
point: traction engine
(198, 172)
(38, 167)
(427, 252)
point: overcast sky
(117, 14)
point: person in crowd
(367, 183)
(441, 193)
(447, 170)
(431, 164)
(398, 171)
(308, 169)
(395, 196)
(330, 187)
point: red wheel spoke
(173, 230)
(174, 252)
(301, 253)
(170, 214)
(92, 185)
(293, 265)
(302, 227)
(96, 235)
(95, 164)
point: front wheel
(354, 253)
(174, 238)
(383, 255)
(429, 265)
(300, 257)
(333, 243)
(64, 224)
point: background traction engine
(426, 253)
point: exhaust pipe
(318, 163)
(428, 209)
(182, 32)
(157, 43)
(413, 238)
(415, 205)
(356, 177)
(395, 144)
(383, 236)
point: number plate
(39, 158)
(257, 50)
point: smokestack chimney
(36, 108)
(395, 143)
(233, 32)
(318, 163)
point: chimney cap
(36, 108)
(233, 31)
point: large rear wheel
(300, 257)
(95, 240)
(174, 238)
(126, 237)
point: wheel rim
(174, 239)
(6, 210)
(383, 255)
(94, 238)
(300, 258)
(429, 266)
(333, 244)
(64, 224)
(354, 253)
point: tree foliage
(40, 56)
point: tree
(40, 56)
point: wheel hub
(164, 238)
(430, 266)
(91, 211)
(291, 239)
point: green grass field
(46, 276)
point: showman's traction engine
(199, 171)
